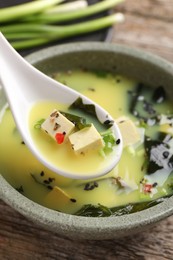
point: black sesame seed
(51, 179)
(73, 200)
(92, 187)
(118, 141)
(50, 187)
(42, 173)
(108, 122)
(96, 184)
(165, 154)
(46, 181)
(87, 185)
(118, 80)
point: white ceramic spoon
(24, 86)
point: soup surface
(143, 173)
(62, 153)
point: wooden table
(148, 26)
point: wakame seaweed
(103, 211)
(142, 102)
(88, 109)
(159, 152)
(159, 95)
(80, 122)
(78, 104)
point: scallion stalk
(15, 12)
(64, 17)
(40, 22)
(68, 7)
(49, 33)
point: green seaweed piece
(103, 211)
(94, 211)
(157, 150)
(78, 104)
(80, 122)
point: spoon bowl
(25, 86)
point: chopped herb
(109, 141)
(39, 123)
(56, 126)
(54, 114)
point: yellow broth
(62, 155)
(22, 170)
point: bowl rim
(80, 226)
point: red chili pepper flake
(59, 138)
(148, 187)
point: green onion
(39, 123)
(50, 33)
(109, 142)
(37, 23)
(14, 12)
(68, 16)
(68, 7)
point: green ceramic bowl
(134, 63)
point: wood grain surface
(149, 26)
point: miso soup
(143, 176)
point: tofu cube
(57, 123)
(129, 132)
(86, 139)
(57, 198)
